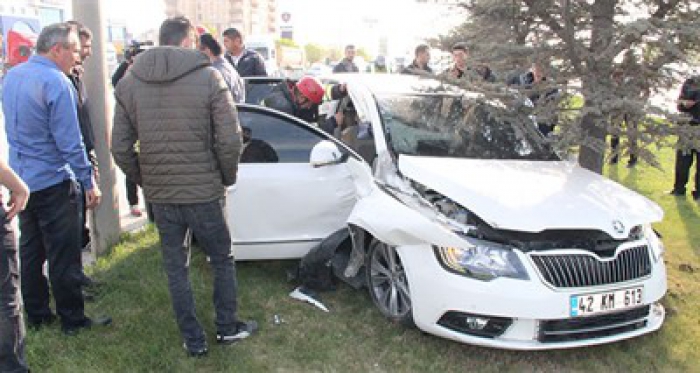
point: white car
(462, 220)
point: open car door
(281, 205)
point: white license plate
(608, 301)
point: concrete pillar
(105, 218)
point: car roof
(384, 84)
(397, 83)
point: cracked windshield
(461, 127)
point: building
(47, 11)
(51, 11)
(249, 16)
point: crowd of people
(53, 174)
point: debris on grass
(306, 295)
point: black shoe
(631, 163)
(74, 329)
(676, 192)
(613, 160)
(196, 352)
(696, 195)
(244, 329)
(37, 323)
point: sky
(326, 22)
(362, 22)
(139, 15)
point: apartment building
(249, 16)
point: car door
(281, 206)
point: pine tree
(611, 53)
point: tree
(314, 52)
(361, 52)
(586, 42)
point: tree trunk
(593, 145)
(596, 87)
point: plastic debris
(305, 295)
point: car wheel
(387, 282)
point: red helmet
(311, 88)
(201, 30)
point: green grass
(353, 337)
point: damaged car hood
(533, 196)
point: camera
(135, 48)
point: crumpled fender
(393, 222)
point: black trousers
(684, 160)
(11, 322)
(132, 193)
(51, 228)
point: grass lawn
(353, 337)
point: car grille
(592, 327)
(581, 270)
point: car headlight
(482, 261)
(655, 243)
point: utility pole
(104, 219)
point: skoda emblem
(618, 226)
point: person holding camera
(132, 192)
(689, 103)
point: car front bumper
(530, 306)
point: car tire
(388, 284)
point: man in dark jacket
(419, 66)
(180, 111)
(460, 69)
(300, 99)
(76, 77)
(246, 61)
(689, 103)
(347, 65)
(535, 85)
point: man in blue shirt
(47, 152)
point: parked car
(318, 69)
(462, 219)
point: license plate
(603, 302)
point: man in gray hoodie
(182, 114)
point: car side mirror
(326, 153)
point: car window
(454, 126)
(275, 139)
(256, 92)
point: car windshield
(458, 126)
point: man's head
(460, 53)
(422, 54)
(309, 92)
(60, 43)
(85, 36)
(233, 41)
(178, 32)
(209, 45)
(538, 71)
(350, 52)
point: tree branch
(664, 8)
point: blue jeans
(11, 323)
(51, 229)
(206, 221)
